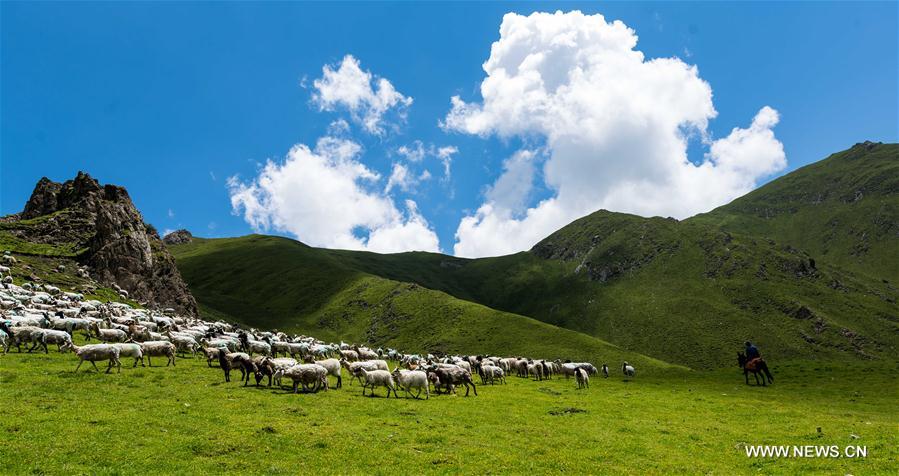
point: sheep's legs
(79, 365)
(95, 366)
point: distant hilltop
(178, 237)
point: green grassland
(186, 420)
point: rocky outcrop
(178, 237)
(111, 236)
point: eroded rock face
(178, 237)
(117, 245)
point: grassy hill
(274, 282)
(843, 210)
(679, 291)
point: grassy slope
(278, 283)
(186, 420)
(689, 290)
(678, 291)
(843, 210)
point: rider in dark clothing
(751, 351)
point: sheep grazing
(109, 335)
(62, 339)
(131, 349)
(349, 355)
(628, 370)
(536, 370)
(409, 379)
(353, 367)
(605, 371)
(365, 353)
(159, 348)
(312, 377)
(583, 380)
(264, 367)
(377, 378)
(450, 377)
(183, 343)
(241, 361)
(332, 365)
(279, 347)
(98, 352)
(212, 353)
(491, 374)
(250, 346)
(19, 335)
(281, 364)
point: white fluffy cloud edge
(321, 196)
(612, 127)
(615, 127)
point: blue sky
(170, 100)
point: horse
(756, 366)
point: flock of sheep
(38, 316)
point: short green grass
(186, 420)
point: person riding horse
(752, 361)
(752, 352)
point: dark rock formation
(178, 237)
(111, 237)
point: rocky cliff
(105, 232)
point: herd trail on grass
(35, 317)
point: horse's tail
(767, 372)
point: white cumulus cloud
(326, 197)
(615, 127)
(366, 97)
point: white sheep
(184, 343)
(492, 373)
(333, 367)
(257, 346)
(583, 380)
(312, 376)
(377, 378)
(62, 339)
(159, 348)
(282, 364)
(19, 335)
(365, 353)
(353, 367)
(408, 379)
(109, 335)
(98, 352)
(131, 349)
(628, 370)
